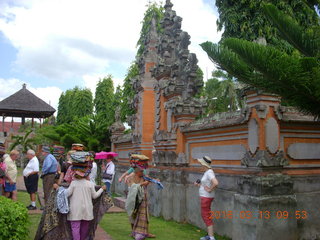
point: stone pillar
(265, 205)
(264, 131)
(265, 208)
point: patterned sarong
(140, 220)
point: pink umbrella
(104, 155)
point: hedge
(13, 220)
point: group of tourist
(75, 179)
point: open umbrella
(104, 155)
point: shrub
(13, 220)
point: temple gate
(266, 156)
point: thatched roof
(25, 104)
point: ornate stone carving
(176, 66)
(117, 128)
(262, 110)
(264, 159)
(167, 158)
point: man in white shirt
(108, 173)
(31, 177)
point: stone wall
(240, 195)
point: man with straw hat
(206, 185)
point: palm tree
(222, 93)
(24, 143)
(295, 77)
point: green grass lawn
(118, 227)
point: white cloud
(80, 38)
(48, 94)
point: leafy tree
(128, 92)
(73, 103)
(155, 11)
(295, 77)
(82, 104)
(245, 19)
(25, 142)
(104, 100)
(222, 92)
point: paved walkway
(100, 233)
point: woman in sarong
(137, 206)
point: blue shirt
(50, 164)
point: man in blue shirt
(49, 169)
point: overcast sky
(54, 45)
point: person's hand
(120, 180)
(55, 186)
(207, 189)
(196, 184)
(11, 182)
(126, 179)
(104, 187)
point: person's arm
(126, 179)
(61, 178)
(214, 184)
(9, 179)
(46, 166)
(97, 194)
(70, 189)
(122, 176)
(7, 175)
(145, 183)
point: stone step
(120, 202)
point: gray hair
(31, 152)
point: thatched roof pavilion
(25, 104)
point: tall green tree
(104, 100)
(245, 19)
(295, 77)
(73, 103)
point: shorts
(31, 183)
(10, 187)
(205, 210)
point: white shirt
(81, 193)
(206, 180)
(93, 173)
(32, 166)
(110, 170)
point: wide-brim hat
(205, 161)
(139, 157)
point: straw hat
(205, 161)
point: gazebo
(24, 104)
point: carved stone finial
(168, 5)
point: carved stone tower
(142, 122)
(177, 84)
